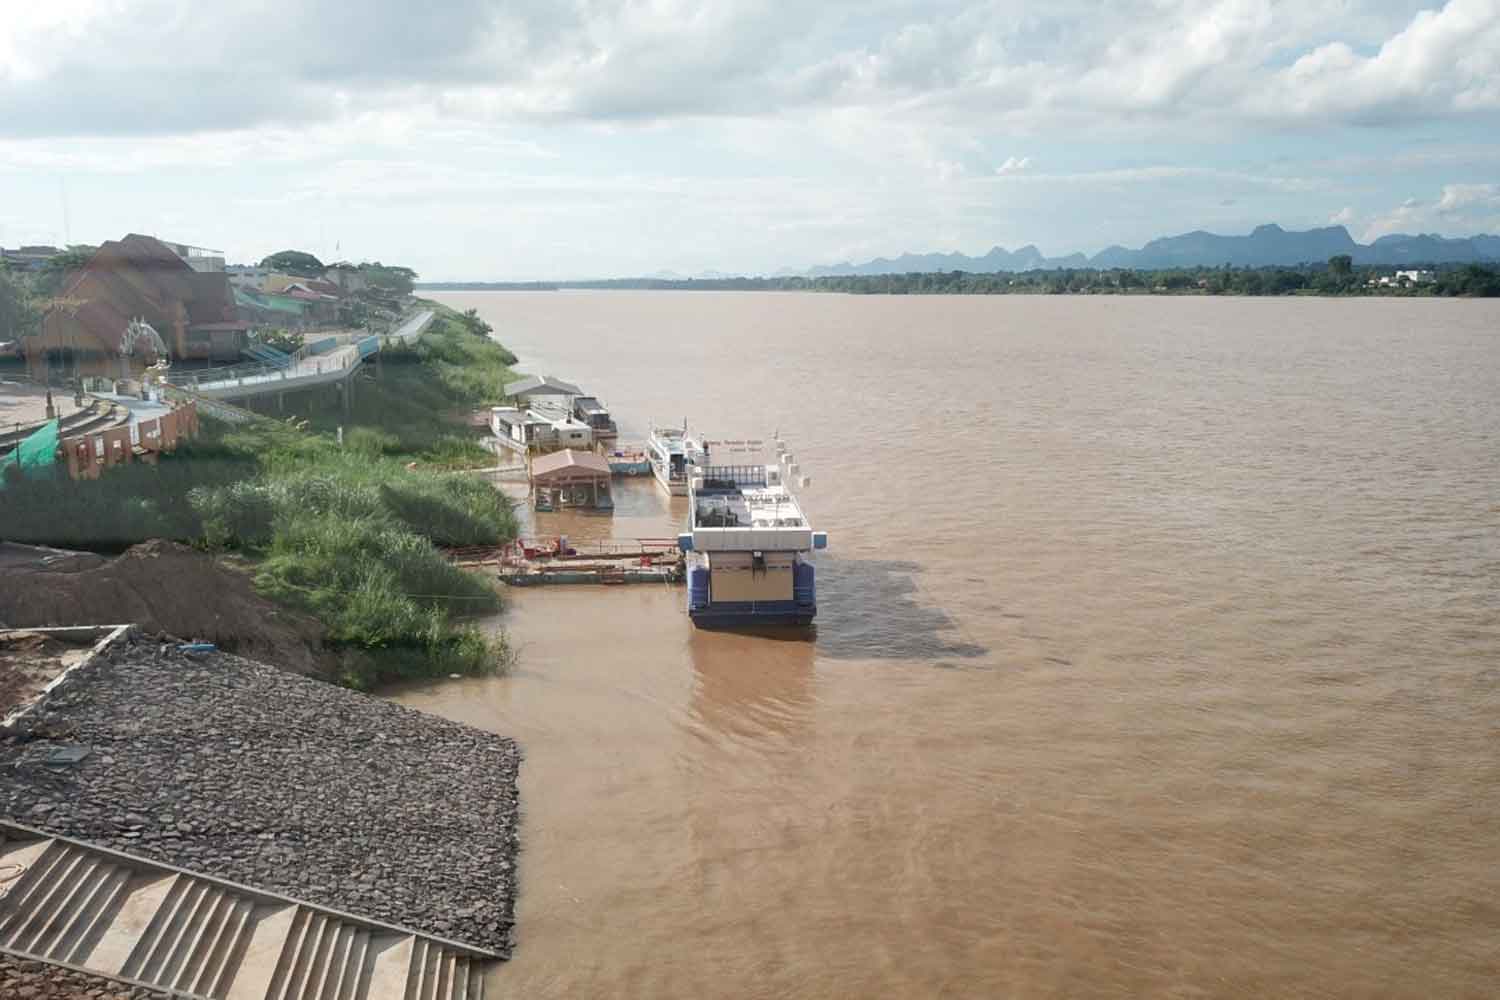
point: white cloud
(1014, 165)
(1463, 198)
(1445, 61)
(171, 66)
(1343, 217)
(1460, 210)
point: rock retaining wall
(237, 769)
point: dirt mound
(29, 661)
(166, 587)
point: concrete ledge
(111, 635)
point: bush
(381, 589)
(370, 441)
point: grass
(348, 534)
(419, 405)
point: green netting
(35, 456)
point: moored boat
(591, 411)
(747, 545)
(673, 454)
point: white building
(243, 276)
(540, 431)
(1401, 278)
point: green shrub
(370, 441)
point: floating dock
(553, 561)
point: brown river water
(1158, 654)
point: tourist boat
(673, 452)
(748, 543)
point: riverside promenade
(307, 370)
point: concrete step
(134, 920)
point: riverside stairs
(96, 910)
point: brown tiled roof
(141, 276)
(563, 463)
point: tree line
(1336, 277)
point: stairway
(129, 919)
(267, 355)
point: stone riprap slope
(237, 769)
(21, 979)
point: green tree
(19, 316)
(54, 274)
(297, 262)
(1342, 265)
(399, 280)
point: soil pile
(28, 662)
(165, 587)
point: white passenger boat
(748, 540)
(673, 452)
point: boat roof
(549, 466)
(754, 507)
(542, 385)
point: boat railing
(726, 477)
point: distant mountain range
(1267, 246)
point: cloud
(1014, 165)
(1463, 198)
(90, 67)
(1460, 210)
(1343, 217)
(1445, 61)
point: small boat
(629, 461)
(748, 544)
(589, 410)
(673, 453)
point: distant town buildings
(1420, 277)
(199, 259)
(28, 258)
(203, 308)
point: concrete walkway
(319, 369)
(24, 404)
(414, 327)
(140, 409)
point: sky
(540, 139)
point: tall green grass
(418, 406)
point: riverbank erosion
(244, 771)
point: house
(536, 386)
(1401, 278)
(28, 258)
(137, 277)
(540, 430)
(248, 276)
(198, 258)
(571, 478)
(320, 308)
(347, 277)
(259, 309)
